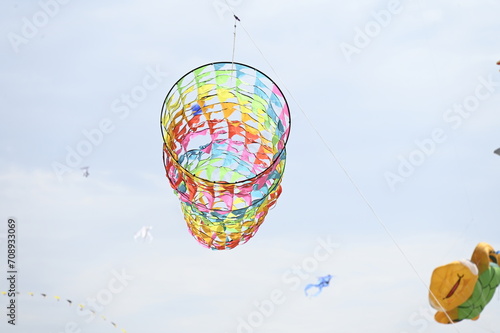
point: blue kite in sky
(323, 281)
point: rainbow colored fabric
(225, 126)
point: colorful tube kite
(225, 126)
(461, 289)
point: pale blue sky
(405, 94)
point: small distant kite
(461, 289)
(144, 233)
(85, 171)
(497, 151)
(498, 63)
(323, 281)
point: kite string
(234, 39)
(234, 44)
(351, 180)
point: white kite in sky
(144, 233)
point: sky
(390, 166)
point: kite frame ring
(275, 159)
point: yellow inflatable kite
(461, 289)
